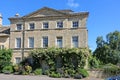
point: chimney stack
(17, 15)
(0, 20)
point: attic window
(75, 24)
(45, 25)
(31, 26)
(60, 24)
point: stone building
(47, 27)
(4, 35)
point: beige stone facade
(4, 35)
(47, 27)
(4, 41)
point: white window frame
(44, 25)
(16, 45)
(57, 38)
(75, 25)
(17, 62)
(31, 27)
(19, 26)
(75, 46)
(43, 41)
(31, 45)
(59, 24)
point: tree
(108, 51)
(5, 58)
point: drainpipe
(23, 39)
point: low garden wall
(97, 74)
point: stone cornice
(81, 28)
(82, 14)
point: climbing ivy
(70, 59)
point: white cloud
(72, 3)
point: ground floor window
(1, 46)
(17, 60)
(59, 42)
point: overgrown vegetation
(7, 69)
(38, 71)
(108, 51)
(5, 58)
(93, 62)
(111, 69)
(60, 62)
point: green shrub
(38, 72)
(93, 62)
(70, 72)
(83, 72)
(7, 69)
(27, 70)
(16, 68)
(55, 75)
(5, 58)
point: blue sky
(104, 15)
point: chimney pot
(17, 15)
(0, 20)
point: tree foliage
(108, 51)
(5, 58)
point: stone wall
(97, 74)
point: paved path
(42, 77)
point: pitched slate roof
(4, 31)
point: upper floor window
(31, 42)
(19, 27)
(18, 42)
(45, 25)
(60, 24)
(75, 41)
(45, 41)
(59, 42)
(31, 26)
(75, 24)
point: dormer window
(19, 27)
(31, 26)
(60, 24)
(75, 24)
(45, 25)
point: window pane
(18, 42)
(31, 42)
(75, 24)
(45, 42)
(1, 46)
(59, 24)
(19, 26)
(18, 60)
(75, 41)
(59, 42)
(45, 25)
(31, 26)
